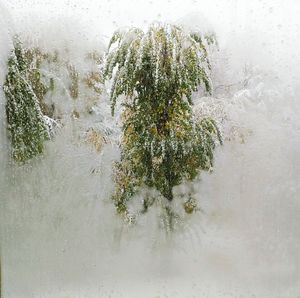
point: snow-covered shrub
(162, 144)
(25, 123)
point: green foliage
(35, 80)
(25, 123)
(164, 62)
(162, 144)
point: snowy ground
(59, 234)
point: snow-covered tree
(162, 144)
(25, 123)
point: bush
(162, 145)
(26, 127)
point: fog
(60, 236)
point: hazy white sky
(266, 29)
(114, 13)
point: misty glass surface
(60, 233)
